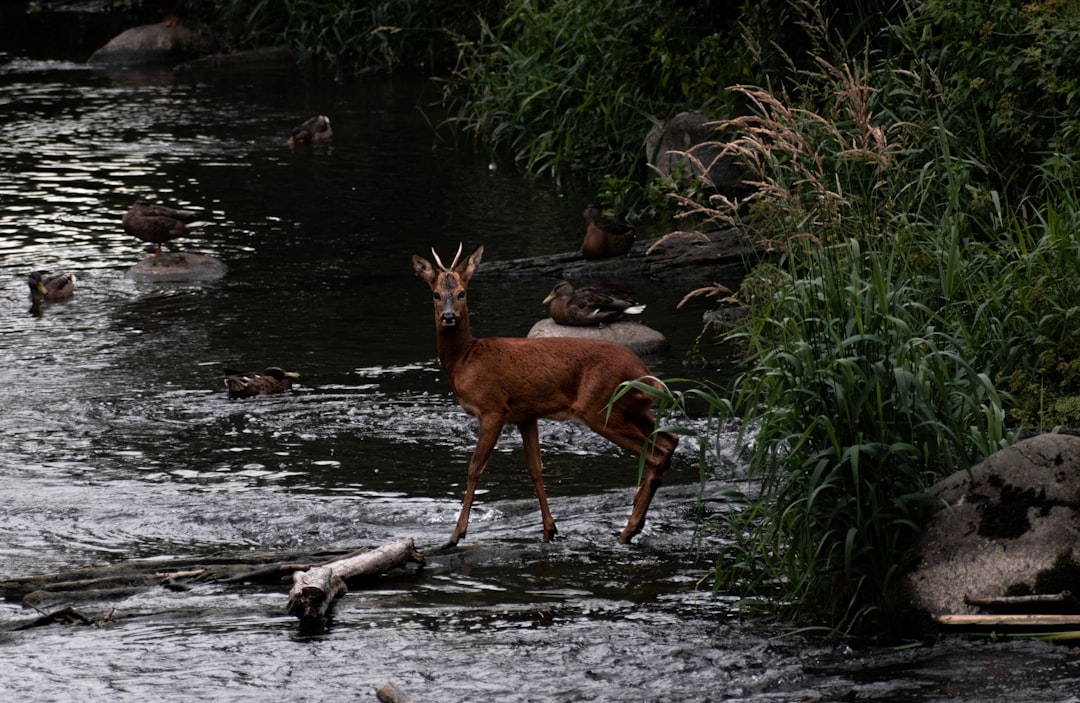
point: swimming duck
(158, 224)
(588, 305)
(58, 286)
(244, 384)
(315, 130)
(603, 241)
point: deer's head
(448, 284)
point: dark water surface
(117, 440)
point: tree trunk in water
(689, 257)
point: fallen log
(66, 596)
(689, 257)
(108, 580)
(315, 590)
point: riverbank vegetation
(914, 168)
(922, 206)
(566, 89)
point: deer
(517, 381)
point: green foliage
(568, 88)
(574, 86)
(918, 292)
(1009, 74)
(354, 37)
(860, 398)
(1043, 315)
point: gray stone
(1004, 525)
(640, 339)
(151, 45)
(177, 267)
(686, 149)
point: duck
(158, 224)
(52, 288)
(244, 384)
(603, 241)
(313, 131)
(588, 306)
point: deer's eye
(461, 295)
(436, 295)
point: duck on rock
(244, 384)
(158, 224)
(588, 306)
(603, 241)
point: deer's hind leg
(632, 426)
(530, 439)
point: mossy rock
(1010, 526)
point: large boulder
(640, 339)
(150, 45)
(1010, 527)
(685, 148)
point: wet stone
(1006, 528)
(177, 267)
(148, 45)
(640, 339)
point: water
(118, 442)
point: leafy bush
(925, 285)
(867, 380)
(1009, 74)
(574, 87)
(354, 37)
(861, 398)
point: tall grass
(353, 38)
(922, 317)
(916, 296)
(859, 400)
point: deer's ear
(423, 268)
(469, 266)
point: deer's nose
(449, 319)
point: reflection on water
(118, 440)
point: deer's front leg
(530, 439)
(489, 435)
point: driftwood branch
(84, 595)
(1064, 602)
(315, 590)
(1015, 620)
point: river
(118, 441)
